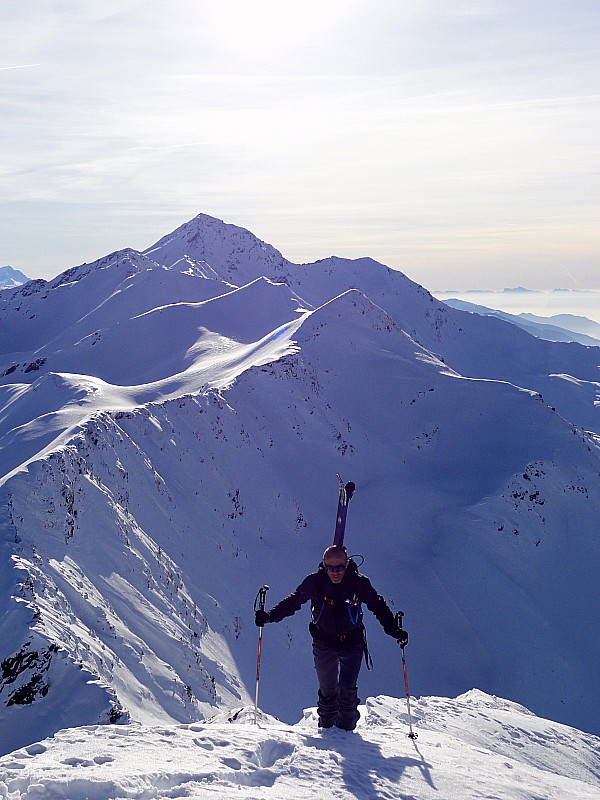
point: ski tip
(350, 489)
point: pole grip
(259, 602)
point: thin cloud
(19, 66)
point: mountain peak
(234, 253)
(11, 277)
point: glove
(261, 617)
(402, 637)
(399, 634)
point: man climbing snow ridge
(336, 591)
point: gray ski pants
(337, 670)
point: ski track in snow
(473, 747)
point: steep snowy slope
(476, 508)
(152, 481)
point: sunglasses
(335, 567)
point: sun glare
(270, 24)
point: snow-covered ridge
(473, 747)
(169, 440)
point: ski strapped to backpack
(346, 492)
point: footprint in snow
(78, 762)
(269, 752)
(206, 745)
(35, 749)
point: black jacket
(336, 609)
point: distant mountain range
(575, 310)
(171, 425)
(10, 277)
(557, 328)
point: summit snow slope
(473, 748)
(169, 441)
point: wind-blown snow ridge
(215, 341)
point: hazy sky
(457, 141)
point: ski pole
(411, 734)
(259, 605)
